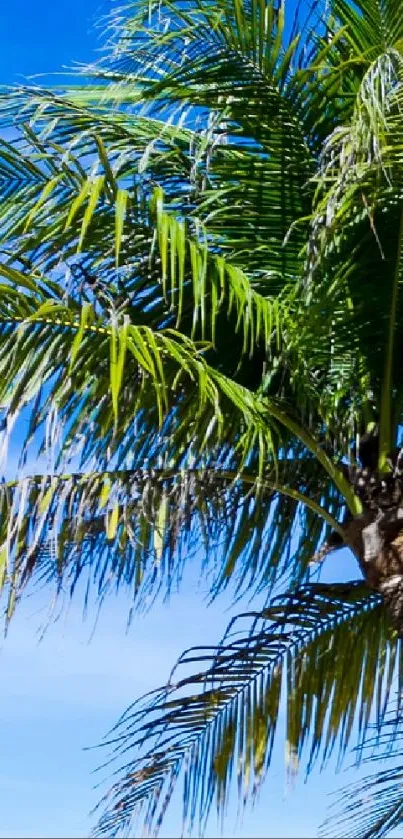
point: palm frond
(115, 243)
(373, 807)
(136, 527)
(114, 394)
(373, 27)
(355, 241)
(245, 126)
(201, 298)
(321, 648)
(377, 798)
(231, 63)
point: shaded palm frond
(324, 647)
(355, 241)
(373, 806)
(105, 354)
(136, 527)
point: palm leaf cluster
(222, 720)
(138, 527)
(200, 315)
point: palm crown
(201, 252)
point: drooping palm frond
(234, 36)
(113, 241)
(201, 255)
(115, 395)
(373, 807)
(114, 392)
(136, 527)
(322, 649)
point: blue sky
(43, 36)
(65, 692)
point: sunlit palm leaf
(201, 261)
(108, 391)
(168, 277)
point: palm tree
(201, 258)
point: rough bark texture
(385, 574)
(376, 536)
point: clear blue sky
(66, 692)
(43, 36)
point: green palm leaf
(200, 308)
(135, 527)
(225, 717)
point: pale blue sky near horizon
(64, 693)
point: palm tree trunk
(376, 537)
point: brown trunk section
(377, 541)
